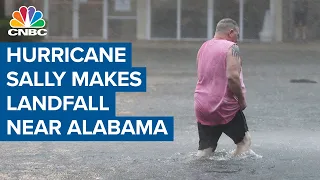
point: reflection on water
(219, 155)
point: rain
(281, 72)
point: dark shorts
(300, 19)
(210, 135)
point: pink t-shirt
(214, 103)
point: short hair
(226, 24)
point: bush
(5, 26)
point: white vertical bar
(210, 19)
(272, 13)
(46, 14)
(75, 19)
(105, 20)
(241, 6)
(178, 19)
(148, 23)
(213, 21)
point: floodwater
(283, 120)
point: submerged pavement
(283, 117)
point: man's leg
(238, 131)
(244, 145)
(208, 139)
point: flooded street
(283, 119)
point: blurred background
(192, 20)
(281, 77)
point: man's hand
(242, 103)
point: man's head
(227, 29)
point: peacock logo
(27, 22)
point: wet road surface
(283, 118)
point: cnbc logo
(27, 22)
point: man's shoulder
(233, 49)
(221, 44)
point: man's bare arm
(233, 71)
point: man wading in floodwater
(219, 97)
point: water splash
(249, 155)
(219, 155)
(225, 155)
